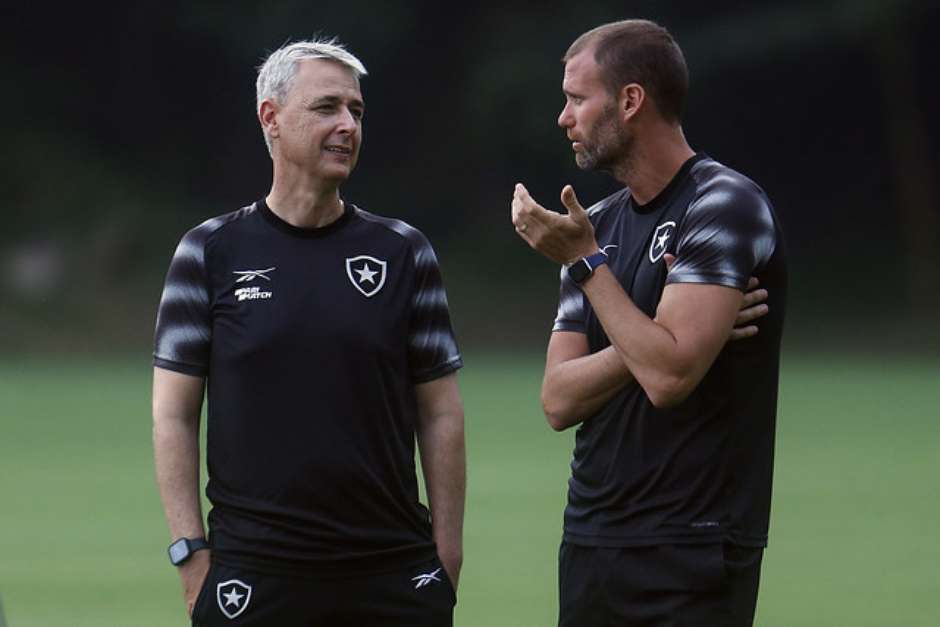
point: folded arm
(670, 354)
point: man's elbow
(669, 391)
(557, 414)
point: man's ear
(631, 100)
(267, 115)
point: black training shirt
(701, 471)
(311, 341)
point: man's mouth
(341, 150)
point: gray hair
(277, 72)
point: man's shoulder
(192, 246)
(204, 230)
(713, 178)
(408, 234)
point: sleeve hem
(576, 327)
(176, 366)
(429, 374)
(709, 279)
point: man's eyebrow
(336, 100)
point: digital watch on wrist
(183, 549)
(581, 269)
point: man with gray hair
(321, 335)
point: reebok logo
(426, 578)
(247, 275)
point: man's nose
(348, 121)
(564, 118)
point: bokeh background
(127, 124)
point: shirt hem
(650, 540)
(339, 568)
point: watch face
(579, 271)
(178, 551)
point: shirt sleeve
(432, 346)
(184, 330)
(570, 316)
(728, 233)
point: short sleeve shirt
(312, 341)
(700, 471)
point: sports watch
(584, 267)
(183, 549)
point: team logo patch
(660, 239)
(233, 597)
(366, 273)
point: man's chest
(637, 246)
(325, 299)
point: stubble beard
(608, 147)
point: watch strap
(583, 268)
(181, 550)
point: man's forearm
(575, 389)
(176, 456)
(443, 459)
(670, 354)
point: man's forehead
(581, 69)
(326, 73)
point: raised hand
(562, 238)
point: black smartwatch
(584, 267)
(183, 549)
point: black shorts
(421, 596)
(669, 585)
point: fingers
(753, 297)
(752, 283)
(669, 259)
(570, 200)
(750, 314)
(743, 332)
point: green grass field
(854, 538)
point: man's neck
(304, 201)
(653, 163)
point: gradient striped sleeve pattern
(570, 316)
(184, 326)
(432, 346)
(727, 235)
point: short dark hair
(642, 52)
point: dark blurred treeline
(127, 124)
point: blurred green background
(128, 123)
(853, 534)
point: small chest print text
(251, 293)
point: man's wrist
(582, 269)
(181, 550)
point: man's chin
(337, 174)
(585, 162)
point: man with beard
(322, 333)
(669, 496)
